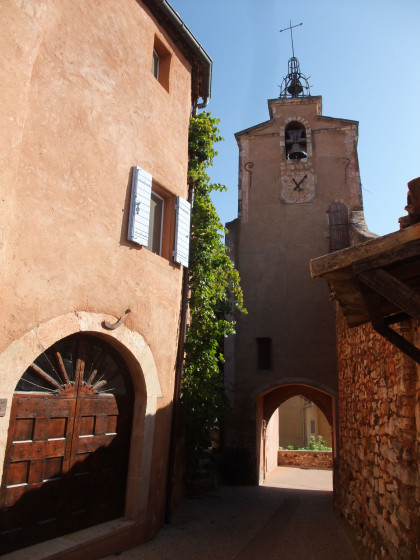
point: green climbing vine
(215, 292)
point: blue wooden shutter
(141, 191)
(182, 231)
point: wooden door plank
(33, 455)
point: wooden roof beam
(390, 244)
(372, 301)
(394, 291)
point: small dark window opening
(264, 354)
(161, 63)
(295, 141)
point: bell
(296, 152)
(295, 88)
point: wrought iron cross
(291, 34)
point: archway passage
(269, 402)
(68, 443)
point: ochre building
(94, 107)
(299, 197)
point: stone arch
(270, 398)
(139, 358)
(276, 397)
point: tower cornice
(283, 101)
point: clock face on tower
(297, 186)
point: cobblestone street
(289, 518)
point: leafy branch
(215, 292)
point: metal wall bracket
(112, 326)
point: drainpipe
(303, 422)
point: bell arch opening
(295, 141)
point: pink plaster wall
(79, 107)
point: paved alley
(289, 518)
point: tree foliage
(215, 291)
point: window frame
(151, 239)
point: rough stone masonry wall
(377, 488)
(305, 459)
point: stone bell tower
(299, 198)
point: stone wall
(305, 459)
(377, 488)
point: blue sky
(362, 56)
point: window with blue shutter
(151, 216)
(182, 231)
(141, 190)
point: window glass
(155, 224)
(155, 65)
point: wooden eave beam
(388, 245)
(390, 257)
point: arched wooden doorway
(68, 443)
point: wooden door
(67, 452)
